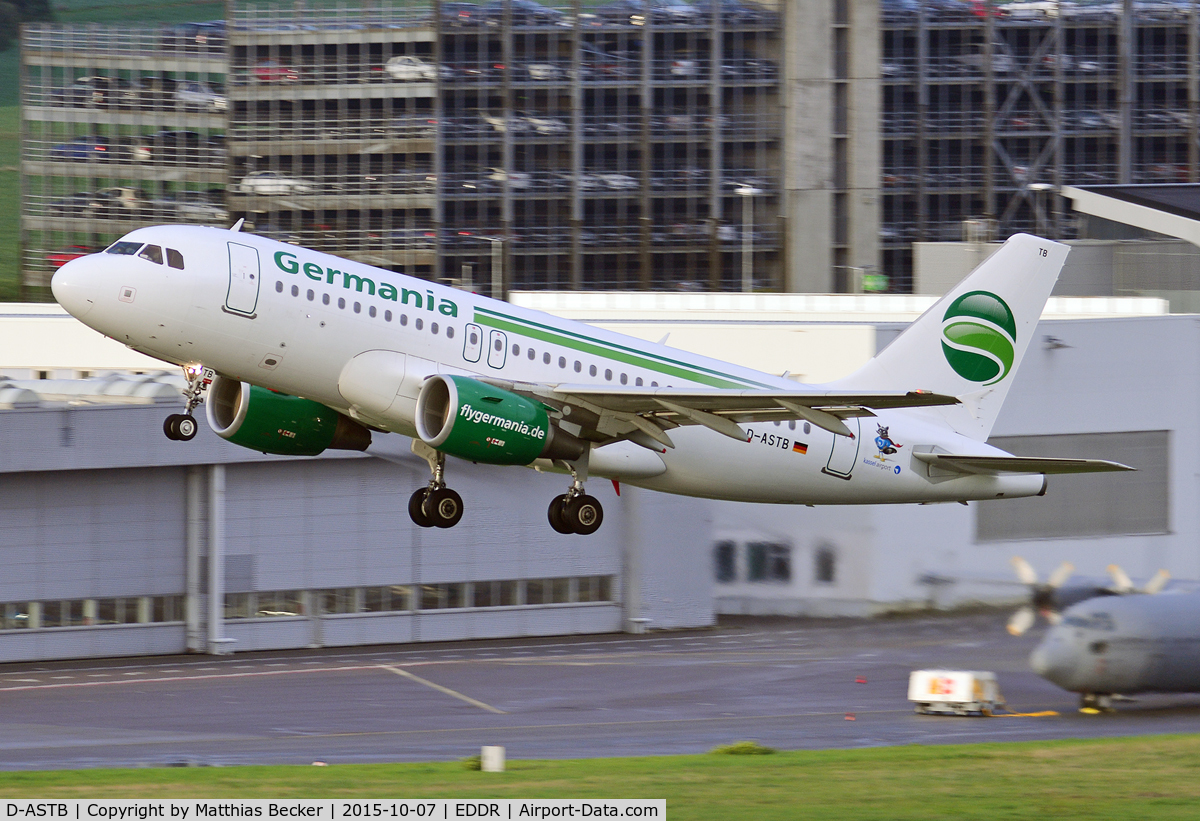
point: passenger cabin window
(174, 259)
(152, 253)
(126, 249)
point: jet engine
(272, 422)
(476, 421)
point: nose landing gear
(182, 427)
(435, 505)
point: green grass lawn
(1130, 778)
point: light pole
(497, 262)
(497, 266)
(747, 193)
(1038, 212)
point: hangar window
(560, 591)
(725, 561)
(343, 600)
(14, 616)
(116, 611)
(386, 599)
(535, 591)
(768, 562)
(825, 564)
(279, 603)
(1086, 504)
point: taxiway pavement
(789, 684)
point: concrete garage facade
(110, 536)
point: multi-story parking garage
(584, 148)
(989, 109)
(543, 150)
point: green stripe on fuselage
(619, 353)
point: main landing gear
(182, 427)
(575, 511)
(435, 505)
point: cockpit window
(152, 253)
(174, 259)
(124, 248)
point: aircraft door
(244, 277)
(844, 454)
(472, 342)
(497, 349)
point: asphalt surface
(789, 684)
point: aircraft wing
(617, 412)
(1018, 464)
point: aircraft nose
(70, 285)
(1053, 659)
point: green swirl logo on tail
(979, 336)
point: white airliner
(299, 351)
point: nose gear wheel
(182, 427)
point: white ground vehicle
(955, 692)
(272, 182)
(200, 96)
(407, 68)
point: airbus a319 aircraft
(299, 351)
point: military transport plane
(299, 351)
(1124, 644)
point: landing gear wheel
(185, 428)
(555, 515)
(416, 508)
(584, 514)
(444, 507)
(169, 427)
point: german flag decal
(800, 448)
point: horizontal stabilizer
(1018, 464)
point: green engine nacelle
(270, 422)
(473, 420)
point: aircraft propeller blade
(1025, 571)
(1021, 620)
(1156, 582)
(1121, 581)
(1060, 575)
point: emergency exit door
(844, 453)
